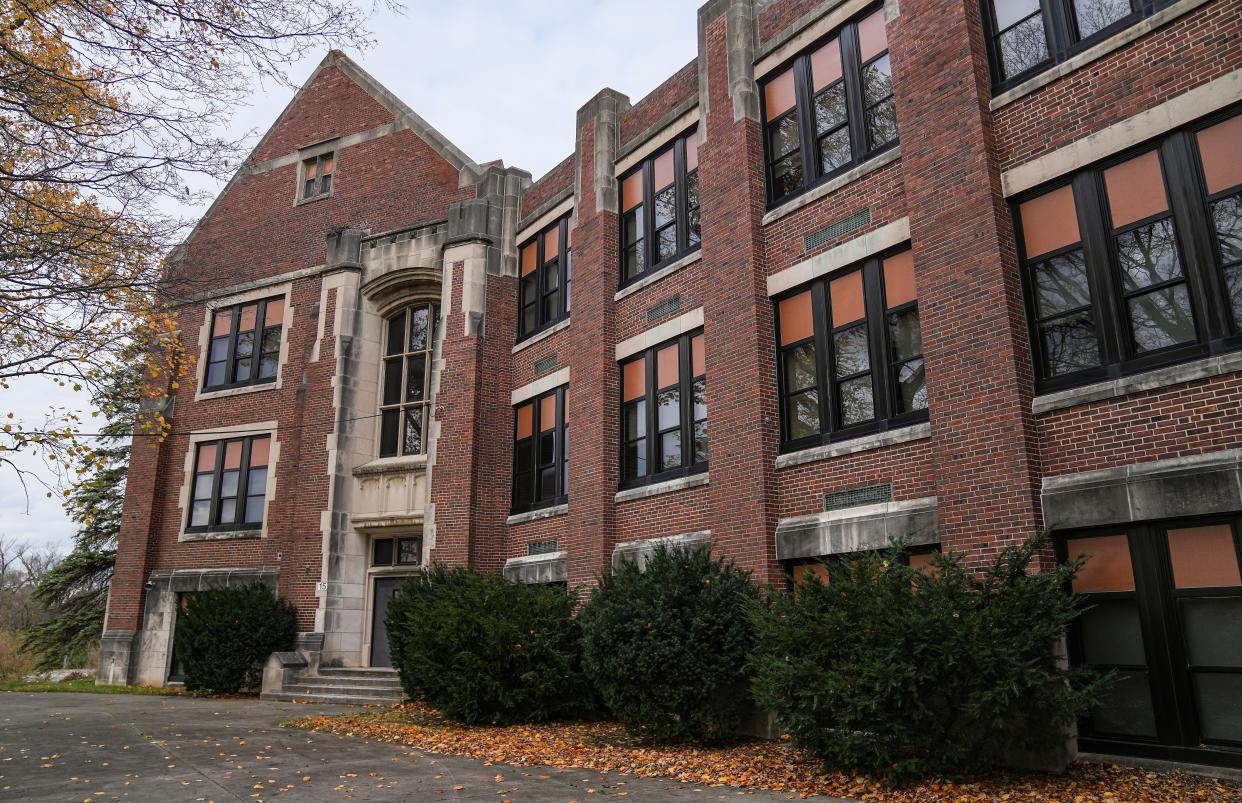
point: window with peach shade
(229, 485)
(1136, 263)
(851, 353)
(830, 109)
(541, 452)
(317, 176)
(660, 208)
(244, 346)
(405, 395)
(545, 276)
(664, 412)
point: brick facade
(429, 223)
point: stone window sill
(1138, 383)
(823, 190)
(537, 515)
(392, 465)
(660, 488)
(915, 432)
(225, 393)
(1094, 53)
(222, 535)
(662, 273)
(544, 335)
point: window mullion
(230, 369)
(679, 195)
(1193, 229)
(851, 73)
(685, 401)
(648, 171)
(217, 483)
(877, 342)
(1059, 27)
(562, 240)
(1107, 312)
(823, 367)
(806, 123)
(653, 419)
(243, 484)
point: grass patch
(605, 747)
(86, 685)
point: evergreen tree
(75, 591)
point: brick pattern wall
(688, 284)
(549, 185)
(683, 85)
(780, 14)
(667, 514)
(910, 467)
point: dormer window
(317, 176)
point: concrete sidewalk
(105, 747)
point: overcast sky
(500, 79)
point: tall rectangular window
(317, 176)
(664, 412)
(660, 209)
(244, 348)
(229, 487)
(541, 452)
(1134, 264)
(405, 404)
(1028, 36)
(545, 265)
(829, 109)
(851, 353)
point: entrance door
(1166, 617)
(385, 587)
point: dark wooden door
(385, 587)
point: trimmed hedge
(484, 649)
(901, 674)
(224, 635)
(667, 646)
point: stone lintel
(641, 551)
(858, 529)
(552, 567)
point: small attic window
(317, 176)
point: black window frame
(394, 543)
(258, 349)
(883, 364)
(856, 108)
(689, 239)
(1195, 243)
(687, 419)
(404, 404)
(534, 467)
(1060, 35)
(243, 484)
(565, 268)
(1168, 666)
(322, 182)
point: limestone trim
(284, 290)
(1172, 114)
(243, 287)
(656, 335)
(564, 207)
(541, 385)
(660, 488)
(1177, 487)
(914, 432)
(644, 147)
(392, 465)
(1096, 52)
(641, 551)
(539, 514)
(827, 188)
(544, 335)
(858, 529)
(841, 256)
(552, 567)
(1205, 368)
(659, 275)
(270, 428)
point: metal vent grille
(546, 364)
(854, 497)
(541, 547)
(842, 227)
(667, 307)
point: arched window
(406, 399)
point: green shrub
(484, 649)
(667, 645)
(900, 673)
(224, 636)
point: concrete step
(309, 687)
(288, 696)
(358, 672)
(334, 680)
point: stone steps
(328, 699)
(343, 686)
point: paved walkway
(116, 747)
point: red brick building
(948, 272)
